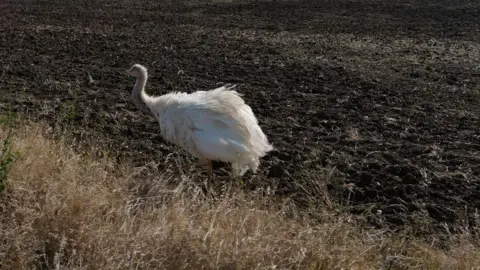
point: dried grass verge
(64, 210)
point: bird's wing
(178, 127)
(214, 130)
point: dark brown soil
(377, 100)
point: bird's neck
(140, 98)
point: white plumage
(210, 125)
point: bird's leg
(210, 169)
(206, 183)
(209, 174)
(201, 162)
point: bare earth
(376, 100)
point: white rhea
(210, 125)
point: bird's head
(137, 70)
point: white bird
(210, 125)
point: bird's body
(210, 125)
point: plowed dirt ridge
(376, 100)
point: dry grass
(63, 210)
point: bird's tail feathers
(228, 87)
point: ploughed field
(373, 106)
